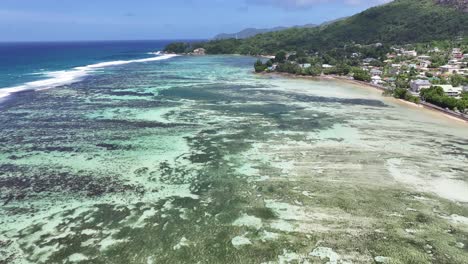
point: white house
(376, 72)
(199, 51)
(424, 57)
(327, 66)
(425, 64)
(411, 53)
(417, 85)
(305, 65)
(273, 67)
(368, 60)
(449, 69)
(376, 79)
(449, 90)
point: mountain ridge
(397, 22)
(251, 32)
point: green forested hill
(401, 21)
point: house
(376, 80)
(327, 66)
(451, 91)
(424, 57)
(456, 53)
(390, 80)
(425, 64)
(376, 72)
(355, 55)
(273, 67)
(419, 84)
(449, 69)
(412, 65)
(200, 51)
(368, 60)
(305, 65)
(465, 56)
(411, 53)
(465, 88)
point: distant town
(430, 74)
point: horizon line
(109, 40)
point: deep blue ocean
(55, 63)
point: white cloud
(295, 4)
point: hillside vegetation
(398, 22)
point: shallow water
(197, 160)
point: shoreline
(429, 107)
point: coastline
(430, 108)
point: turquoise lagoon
(198, 160)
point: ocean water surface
(198, 160)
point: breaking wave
(59, 78)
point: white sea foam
(58, 78)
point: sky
(66, 20)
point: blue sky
(51, 20)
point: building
(456, 53)
(376, 72)
(425, 64)
(200, 51)
(327, 66)
(424, 57)
(465, 88)
(451, 91)
(411, 53)
(449, 69)
(376, 80)
(417, 85)
(368, 60)
(305, 65)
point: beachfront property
(376, 80)
(419, 84)
(272, 68)
(199, 51)
(451, 91)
